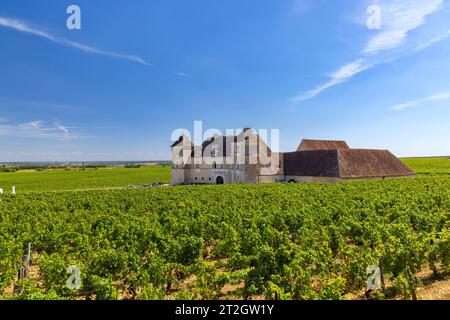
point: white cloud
(400, 17)
(337, 77)
(35, 125)
(63, 129)
(443, 96)
(23, 27)
(428, 42)
(36, 129)
(183, 74)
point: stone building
(246, 158)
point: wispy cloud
(400, 17)
(428, 42)
(21, 26)
(183, 74)
(443, 96)
(63, 129)
(36, 129)
(338, 77)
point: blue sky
(137, 70)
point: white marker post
(1, 191)
(13, 190)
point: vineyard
(275, 241)
(64, 180)
(429, 165)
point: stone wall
(209, 176)
(177, 176)
(311, 179)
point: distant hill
(92, 164)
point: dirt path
(439, 290)
(431, 288)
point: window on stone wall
(214, 165)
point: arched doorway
(219, 180)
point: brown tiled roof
(315, 163)
(307, 144)
(359, 163)
(346, 164)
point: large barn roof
(345, 164)
(307, 144)
(359, 163)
